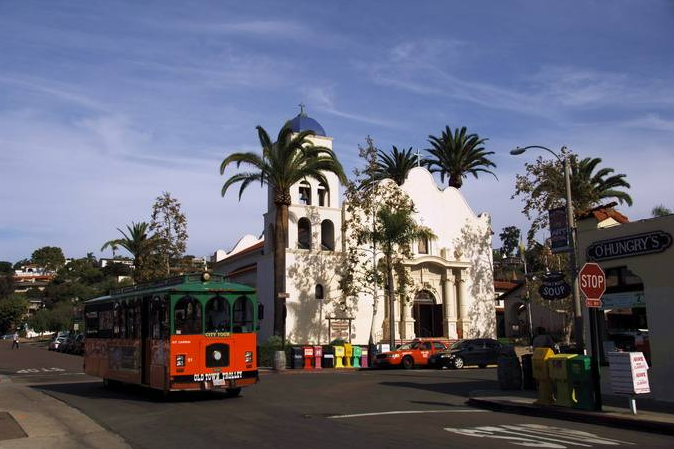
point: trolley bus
(193, 332)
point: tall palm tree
(589, 188)
(394, 232)
(394, 165)
(292, 158)
(458, 155)
(137, 242)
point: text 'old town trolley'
(193, 332)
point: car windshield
(456, 344)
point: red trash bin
(308, 356)
(318, 357)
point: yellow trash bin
(558, 368)
(541, 374)
(348, 355)
(339, 356)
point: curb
(598, 418)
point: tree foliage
(394, 165)
(660, 211)
(52, 320)
(49, 257)
(6, 285)
(139, 244)
(457, 155)
(6, 267)
(543, 187)
(510, 237)
(12, 310)
(169, 225)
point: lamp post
(577, 311)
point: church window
(327, 235)
(305, 193)
(422, 246)
(323, 195)
(304, 233)
(319, 292)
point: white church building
(453, 274)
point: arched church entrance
(427, 315)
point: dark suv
(477, 351)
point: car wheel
(233, 392)
(458, 363)
(408, 362)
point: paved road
(368, 408)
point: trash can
(357, 354)
(348, 355)
(580, 377)
(318, 356)
(328, 357)
(540, 370)
(339, 356)
(528, 381)
(364, 354)
(296, 357)
(509, 371)
(308, 353)
(558, 369)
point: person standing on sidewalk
(15, 340)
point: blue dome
(302, 122)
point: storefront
(638, 306)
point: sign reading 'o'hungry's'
(629, 246)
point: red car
(414, 353)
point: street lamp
(577, 311)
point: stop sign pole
(592, 282)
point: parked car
(65, 346)
(409, 355)
(56, 343)
(77, 346)
(477, 351)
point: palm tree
(589, 188)
(137, 242)
(457, 155)
(394, 165)
(660, 211)
(394, 232)
(292, 158)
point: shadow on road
(449, 388)
(96, 390)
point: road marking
(536, 435)
(39, 370)
(407, 412)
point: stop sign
(592, 281)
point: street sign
(554, 286)
(593, 303)
(592, 281)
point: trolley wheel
(233, 392)
(458, 363)
(408, 362)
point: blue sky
(104, 105)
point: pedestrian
(15, 340)
(543, 340)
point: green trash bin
(580, 378)
(357, 353)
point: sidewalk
(652, 416)
(30, 419)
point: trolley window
(243, 315)
(187, 316)
(218, 315)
